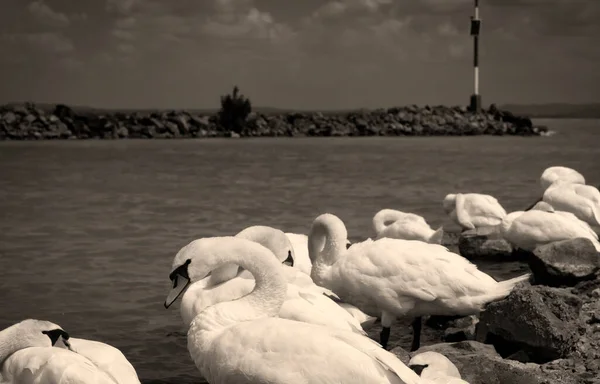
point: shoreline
(29, 122)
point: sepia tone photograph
(300, 192)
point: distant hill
(555, 110)
(551, 110)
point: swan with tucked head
(407, 226)
(435, 368)
(473, 210)
(581, 200)
(305, 301)
(555, 174)
(27, 356)
(399, 278)
(543, 224)
(243, 341)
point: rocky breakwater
(30, 122)
(545, 331)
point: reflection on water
(88, 230)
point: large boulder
(484, 243)
(564, 263)
(480, 364)
(533, 323)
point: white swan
(436, 368)
(305, 300)
(555, 174)
(242, 341)
(543, 225)
(27, 356)
(581, 200)
(473, 210)
(408, 226)
(300, 244)
(399, 278)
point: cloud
(122, 6)
(47, 15)
(339, 7)
(252, 23)
(47, 42)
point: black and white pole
(475, 104)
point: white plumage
(435, 368)
(473, 210)
(408, 226)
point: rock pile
(29, 122)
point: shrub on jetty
(235, 109)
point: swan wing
(274, 350)
(484, 208)
(107, 358)
(330, 308)
(462, 213)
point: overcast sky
(296, 53)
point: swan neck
(382, 217)
(8, 343)
(265, 300)
(223, 273)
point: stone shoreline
(29, 122)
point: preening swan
(435, 368)
(542, 225)
(399, 278)
(41, 352)
(558, 173)
(300, 244)
(242, 341)
(408, 226)
(304, 301)
(581, 200)
(473, 210)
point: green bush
(234, 111)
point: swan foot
(384, 337)
(416, 326)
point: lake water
(88, 229)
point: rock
(21, 121)
(480, 364)
(483, 243)
(401, 354)
(564, 263)
(541, 321)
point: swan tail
(504, 288)
(437, 236)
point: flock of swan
(265, 306)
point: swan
(399, 278)
(580, 199)
(472, 210)
(543, 225)
(242, 341)
(305, 300)
(300, 244)
(556, 173)
(436, 368)
(408, 226)
(40, 352)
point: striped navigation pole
(475, 104)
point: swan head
(327, 237)
(196, 260)
(35, 333)
(430, 364)
(542, 206)
(449, 202)
(560, 175)
(273, 239)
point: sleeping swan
(558, 173)
(408, 226)
(473, 210)
(399, 278)
(436, 368)
(304, 302)
(244, 342)
(40, 352)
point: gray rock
(564, 263)
(480, 364)
(541, 321)
(484, 243)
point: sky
(298, 54)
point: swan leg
(386, 324)
(416, 326)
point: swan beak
(418, 368)
(180, 283)
(290, 260)
(62, 342)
